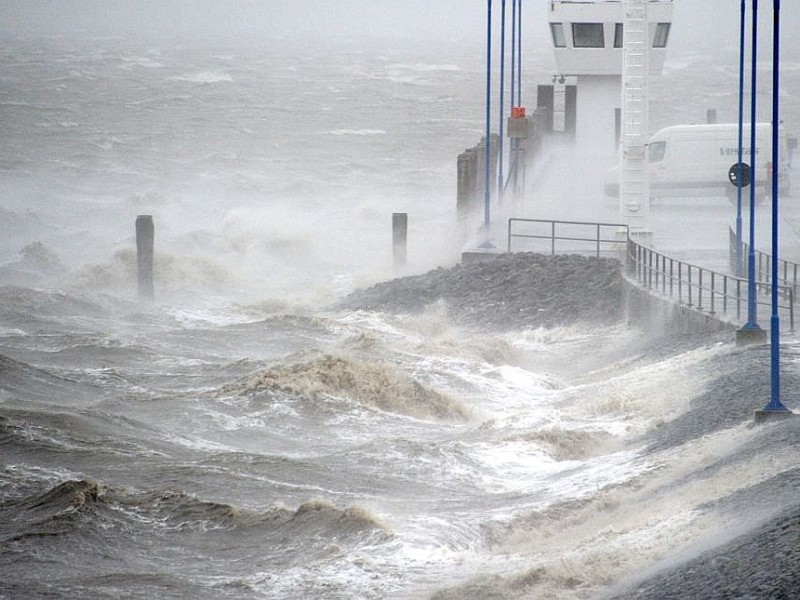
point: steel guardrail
(788, 271)
(621, 233)
(700, 288)
(696, 287)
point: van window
(588, 35)
(657, 151)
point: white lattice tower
(635, 182)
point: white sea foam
(205, 77)
(362, 132)
(140, 61)
(11, 332)
(434, 67)
(200, 318)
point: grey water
(239, 436)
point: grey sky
(698, 23)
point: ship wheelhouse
(587, 35)
(588, 40)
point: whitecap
(434, 67)
(353, 132)
(204, 77)
(139, 61)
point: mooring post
(400, 238)
(145, 234)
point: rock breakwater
(508, 291)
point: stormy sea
(292, 416)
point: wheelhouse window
(618, 35)
(588, 35)
(662, 35)
(557, 29)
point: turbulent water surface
(263, 430)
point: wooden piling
(145, 236)
(471, 174)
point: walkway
(693, 230)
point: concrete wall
(659, 315)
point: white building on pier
(589, 42)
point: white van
(694, 160)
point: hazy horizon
(410, 19)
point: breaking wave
(55, 512)
(565, 444)
(371, 385)
(74, 505)
(169, 272)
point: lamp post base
(749, 336)
(763, 415)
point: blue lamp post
(488, 141)
(738, 270)
(752, 318)
(775, 402)
(512, 144)
(519, 55)
(500, 176)
(513, 50)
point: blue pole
(751, 255)
(500, 176)
(488, 142)
(775, 395)
(512, 154)
(741, 127)
(513, 48)
(519, 55)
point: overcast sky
(697, 22)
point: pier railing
(701, 289)
(788, 271)
(575, 237)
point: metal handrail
(788, 271)
(698, 287)
(597, 239)
(687, 284)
